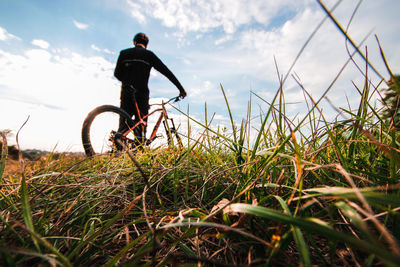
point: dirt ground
(13, 167)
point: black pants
(130, 96)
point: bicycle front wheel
(100, 128)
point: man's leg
(127, 104)
(143, 105)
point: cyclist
(133, 70)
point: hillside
(289, 192)
(327, 198)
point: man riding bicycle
(133, 70)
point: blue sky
(57, 57)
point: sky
(57, 57)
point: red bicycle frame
(170, 130)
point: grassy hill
(284, 196)
(329, 198)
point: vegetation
(325, 194)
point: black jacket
(134, 65)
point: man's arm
(163, 69)
(118, 70)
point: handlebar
(174, 99)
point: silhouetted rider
(133, 70)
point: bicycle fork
(171, 132)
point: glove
(182, 94)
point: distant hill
(29, 154)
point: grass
(315, 192)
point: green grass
(311, 192)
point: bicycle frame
(170, 130)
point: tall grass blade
(356, 220)
(24, 195)
(263, 124)
(230, 116)
(337, 24)
(114, 260)
(31, 253)
(298, 237)
(323, 229)
(102, 229)
(370, 194)
(49, 246)
(3, 157)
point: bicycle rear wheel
(100, 129)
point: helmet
(141, 38)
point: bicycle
(99, 129)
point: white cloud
(324, 56)
(203, 15)
(136, 12)
(57, 89)
(107, 51)
(98, 49)
(205, 91)
(247, 61)
(285, 42)
(41, 43)
(80, 25)
(5, 35)
(223, 39)
(94, 47)
(221, 118)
